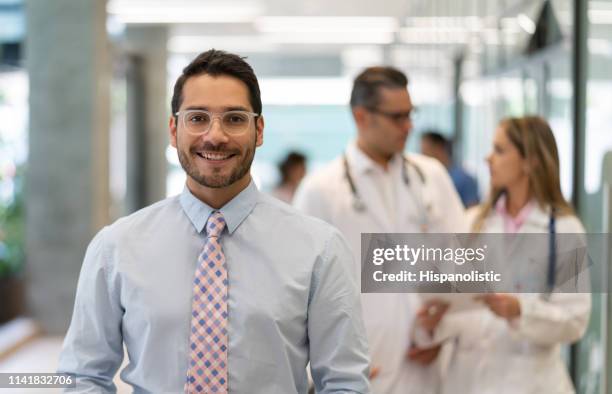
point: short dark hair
(438, 139)
(435, 137)
(215, 63)
(366, 87)
(292, 160)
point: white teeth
(214, 156)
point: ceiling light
(183, 11)
(326, 24)
(526, 23)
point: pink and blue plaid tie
(207, 371)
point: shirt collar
(361, 163)
(513, 224)
(234, 212)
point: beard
(217, 180)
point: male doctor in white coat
(374, 188)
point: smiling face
(216, 159)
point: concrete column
(67, 55)
(147, 114)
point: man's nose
(215, 133)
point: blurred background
(84, 107)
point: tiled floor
(40, 355)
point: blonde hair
(535, 141)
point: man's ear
(259, 129)
(173, 130)
(360, 114)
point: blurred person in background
(436, 145)
(513, 343)
(373, 187)
(221, 286)
(292, 170)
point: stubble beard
(216, 180)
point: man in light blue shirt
(290, 297)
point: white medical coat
(491, 355)
(391, 207)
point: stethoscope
(360, 206)
(552, 250)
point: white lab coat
(491, 355)
(388, 317)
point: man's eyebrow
(224, 109)
(237, 108)
(195, 107)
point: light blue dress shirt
(291, 300)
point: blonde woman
(513, 344)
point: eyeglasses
(396, 117)
(199, 122)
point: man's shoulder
(426, 163)
(460, 174)
(324, 177)
(319, 188)
(142, 220)
(293, 219)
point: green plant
(12, 234)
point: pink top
(512, 224)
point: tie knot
(215, 224)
